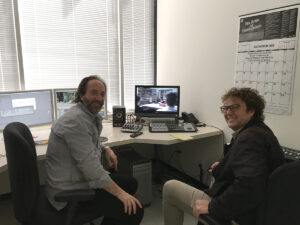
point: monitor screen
(157, 101)
(28, 107)
(64, 100)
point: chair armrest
(211, 221)
(75, 195)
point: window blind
(64, 41)
(9, 73)
(138, 46)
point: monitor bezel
(73, 89)
(37, 90)
(159, 114)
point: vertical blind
(9, 73)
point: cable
(130, 118)
(201, 173)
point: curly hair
(252, 99)
(81, 90)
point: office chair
(282, 200)
(30, 203)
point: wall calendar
(266, 56)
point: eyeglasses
(232, 108)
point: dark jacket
(241, 176)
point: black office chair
(31, 206)
(282, 202)
(212, 221)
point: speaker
(119, 116)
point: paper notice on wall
(266, 56)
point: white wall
(197, 42)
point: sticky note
(182, 137)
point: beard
(93, 106)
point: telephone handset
(190, 118)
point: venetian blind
(9, 74)
(138, 45)
(64, 41)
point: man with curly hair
(240, 176)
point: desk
(116, 138)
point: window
(64, 41)
(9, 73)
(138, 46)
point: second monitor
(64, 100)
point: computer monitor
(28, 107)
(64, 100)
(157, 101)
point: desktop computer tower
(132, 163)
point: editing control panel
(131, 127)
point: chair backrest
(22, 169)
(282, 205)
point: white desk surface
(115, 138)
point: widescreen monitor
(64, 100)
(157, 101)
(28, 107)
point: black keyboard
(291, 154)
(172, 127)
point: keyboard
(131, 127)
(172, 127)
(148, 120)
(291, 154)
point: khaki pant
(178, 198)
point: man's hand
(129, 202)
(200, 207)
(111, 158)
(213, 166)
